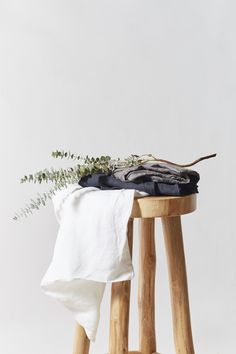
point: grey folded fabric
(153, 178)
(157, 172)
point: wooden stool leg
(146, 289)
(81, 341)
(178, 285)
(119, 318)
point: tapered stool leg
(81, 341)
(119, 317)
(178, 285)
(146, 287)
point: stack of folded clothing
(152, 178)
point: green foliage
(84, 166)
(61, 178)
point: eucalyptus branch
(62, 177)
(84, 166)
(40, 200)
(65, 154)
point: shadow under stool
(169, 209)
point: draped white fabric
(91, 249)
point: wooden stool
(147, 209)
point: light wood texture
(178, 285)
(146, 287)
(119, 317)
(152, 207)
(81, 341)
(147, 209)
(135, 352)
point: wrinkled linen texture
(91, 249)
(155, 179)
(157, 172)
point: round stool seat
(169, 209)
(153, 207)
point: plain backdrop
(117, 77)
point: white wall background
(117, 77)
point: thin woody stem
(153, 158)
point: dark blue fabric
(108, 181)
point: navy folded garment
(108, 181)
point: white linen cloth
(91, 249)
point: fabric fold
(157, 179)
(157, 172)
(91, 249)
